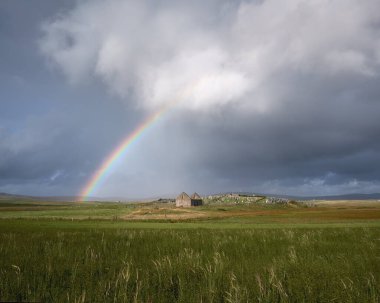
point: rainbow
(118, 153)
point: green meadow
(153, 252)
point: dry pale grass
(348, 203)
(164, 213)
(324, 211)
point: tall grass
(195, 265)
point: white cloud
(203, 79)
(157, 52)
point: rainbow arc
(108, 165)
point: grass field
(152, 252)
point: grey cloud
(322, 127)
(59, 150)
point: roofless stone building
(196, 200)
(185, 201)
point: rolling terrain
(217, 210)
(232, 249)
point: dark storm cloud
(272, 96)
(59, 148)
(323, 129)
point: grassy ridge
(253, 213)
(188, 265)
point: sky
(266, 96)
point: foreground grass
(60, 261)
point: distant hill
(353, 196)
(6, 196)
(12, 196)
